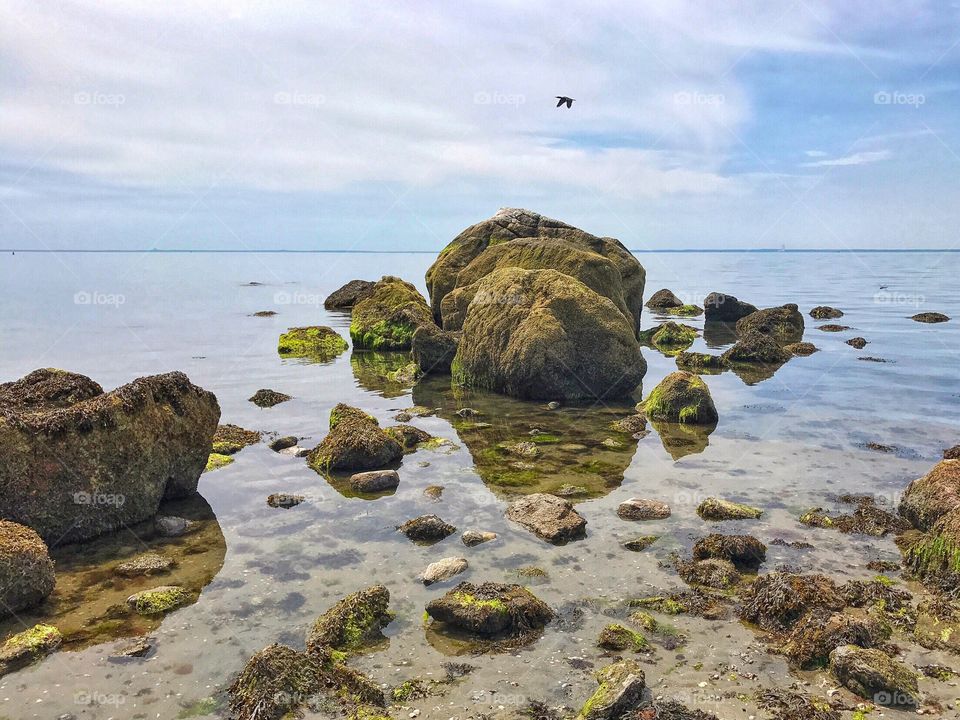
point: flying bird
(561, 99)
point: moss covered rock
(619, 637)
(621, 690)
(315, 342)
(681, 397)
(433, 349)
(352, 622)
(355, 442)
(784, 324)
(527, 240)
(276, 681)
(669, 337)
(929, 498)
(490, 609)
(160, 600)
(820, 631)
(801, 349)
(777, 600)
(26, 570)
(717, 509)
(697, 362)
(78, 462)
(825, 312)
(387, 319)
(871, 674)
(28, 646)
(712, 572)
(231, 439)
(540, 334)
(346, 296)
(756, 347)
(744, 551)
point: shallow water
(785, 444)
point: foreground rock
(776, 601)
(523, 239)
(717, 509)
(433, 349)
(345, 297)
(355, 442)
(643, 509)
(725, 308)
(681, 397)
(315, 342)
(26, 570)
(540, 334)
(389, 316)
(375, 481)
(784, 324)
(873, 675)
(621, 690)
(352, 622)
(426, 529)
(490, 609)
(548, 517)
(443, 570)
(79, 462)
(932, 505)
(28, 646)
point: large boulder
(784, 324)
(26, 570)
(540, 334)
(548, 517)
(929, 498)
(355, 442)
(620, 691)
(871, 674)
(388, 317)
(681, 397)
(932, 505)
(433, 349)
(490, 609)
(725, 308)
(79, 462)
(349, 295)
(524, 239)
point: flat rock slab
(146, 564)
(548, 517)
(643, 509)
(443, 570)
(375, 481)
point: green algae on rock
(124, 451)
(314, 342)
(682, 311)
(380, 372)
(274, 682)
(620, 637)
(621, 690)
(719, 509)
(215, 461)
(784, 324)
(160, 600)
(28, 646)
(355, 442)
(388, 317)
(231, 439)
(681, 397)
(26, 570)
(756, 347)
(669, 337)
(490, 609)
(871, 674)
(777, 600)
(352, 622)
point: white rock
(443, 569)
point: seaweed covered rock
(160, 600)
(697, 362)
(669, 336)
(718, 509)
(540, 334)
(725, 308)
(662, 299)
(932, 505)
(777, 600)
(712, 572)
(755, 347)
(267, 398)
(929, 498)
(619, 637)
(744, 551)
(79, 462)
(346, 296)
(28, 646)
(866, 519)
(274, 682)
(873, 675)
(433, 349)
(389, 316)
(26, 570)
(355, 442)
(490, 609)
(548, 517)
(820, 631)
(620, 691)
(315, 342)
(352, 622)
(681, 397)
(231, 439)
(408, 436)
(426, 529)
(825, 312)
(524, 239)
(784, 324)
(930, 317)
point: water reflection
(680, 440)
(382, 372)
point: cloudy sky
(327, 125)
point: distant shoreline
(433, 252)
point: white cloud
(860, 158)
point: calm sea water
(785, 444)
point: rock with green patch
(28, 646)
(825, 312)
(433, 349)
(231, 439)
(643, 509)
(544, 335)
(490, 609)
(682, 311)
(873, 675)
(160, 600)
(621, 690)
(669, 337)
(79, 462)
(719, 509)
(346, 296)
(683, 398)
(215, 461)
(619, 637)
(744, 551)
(352, 622)
(315, 342)
(756, 347)
(927, 499)
(26, 570)
(698, 362)
(355, 442)
(548, 517)
(784, 323)
(408, 436)
(389, 316)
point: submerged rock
(389, 316)
(930, 317)
(352, 622)
(267, 398)
(470, 538)
(726, 308)
(833, 328)
(717, 509)
(283, 443)
(640, 543)
(866, 519)
(643, 509)
(682, 311)
(345, 297)
(662, 299)
(744, 551)
(825, 312)
(426, 528)
(355, 442)
(871, 674)
(160, 600)
(681, 397)
(26, 570)
(28, 646)
(231, 439)
(548, 517)
(375, 481)
(316, 342)
(433, 349)
(443, 570)
(490, 609)
(621, 690)
(150, 563)
(170, 526)
(777, 600)
(858, 342)
(79, 462)
(784, 324)
(548, 336)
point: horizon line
(433, 252)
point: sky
(393, 126)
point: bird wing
(560, 101)
(569, 102)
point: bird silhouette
(561, 99)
